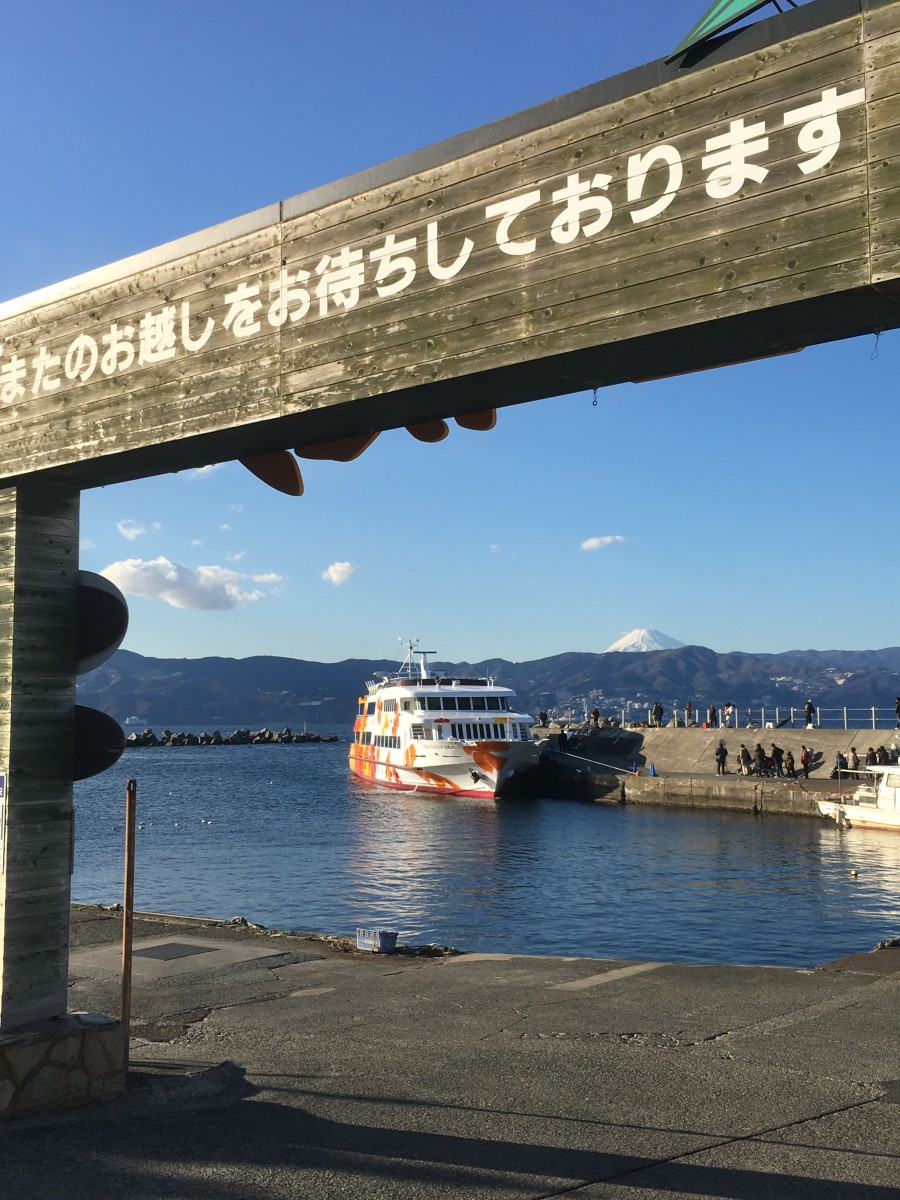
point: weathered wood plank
(36, 721)
(602, 279)
(881, 21)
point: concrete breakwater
(240, 737)
(676, 767)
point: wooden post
(38, 591)
(128, 907)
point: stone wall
(63, 1062)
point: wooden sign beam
(680, 216)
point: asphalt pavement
(269, 1065)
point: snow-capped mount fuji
(640, 640)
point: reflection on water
(283, 836)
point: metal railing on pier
(774, 718)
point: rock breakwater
(240, 737)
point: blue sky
(748, 508)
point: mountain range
(272, 691)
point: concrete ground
(282, 1066)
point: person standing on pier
(789, 768)
(805, 760)
(688, 712)
(721, 758)
(809, 714)
(712, 717)
(744, 759)
(778, 759)
(853, 763)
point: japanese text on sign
(335, 283)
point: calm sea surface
(283, 836)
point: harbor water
(284, 837)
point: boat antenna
(412, 648)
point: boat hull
(477, 769)
(862, 815)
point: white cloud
(339, 572)
(494, 548)
(201, 472)
(267, 577)
(225, 528)
(238, 508)
(130, 529)
(133, 529)
(206, 587)
(197, 542)
(235, 555)
(597, 543)
(85, 543)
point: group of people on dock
(777, 762)
(781, 763)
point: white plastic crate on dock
(380, 941)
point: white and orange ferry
(426, 733)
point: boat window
(498, 732)
(418, 732)
(469, 732)
(406, 705)
(464, 702)
(450, 703)
(370, 707)
(433, 702)
(367, 739)
(362, 707)
(524, 733)
(504, 703)
(478, 703)
(420, 704)
(493, 703)
(390, 706)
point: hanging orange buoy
(429, 431)
(484, 420)
(338, 449)
(278, 469)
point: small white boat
(427, 733)
(876, 804)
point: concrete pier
(677, 768)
